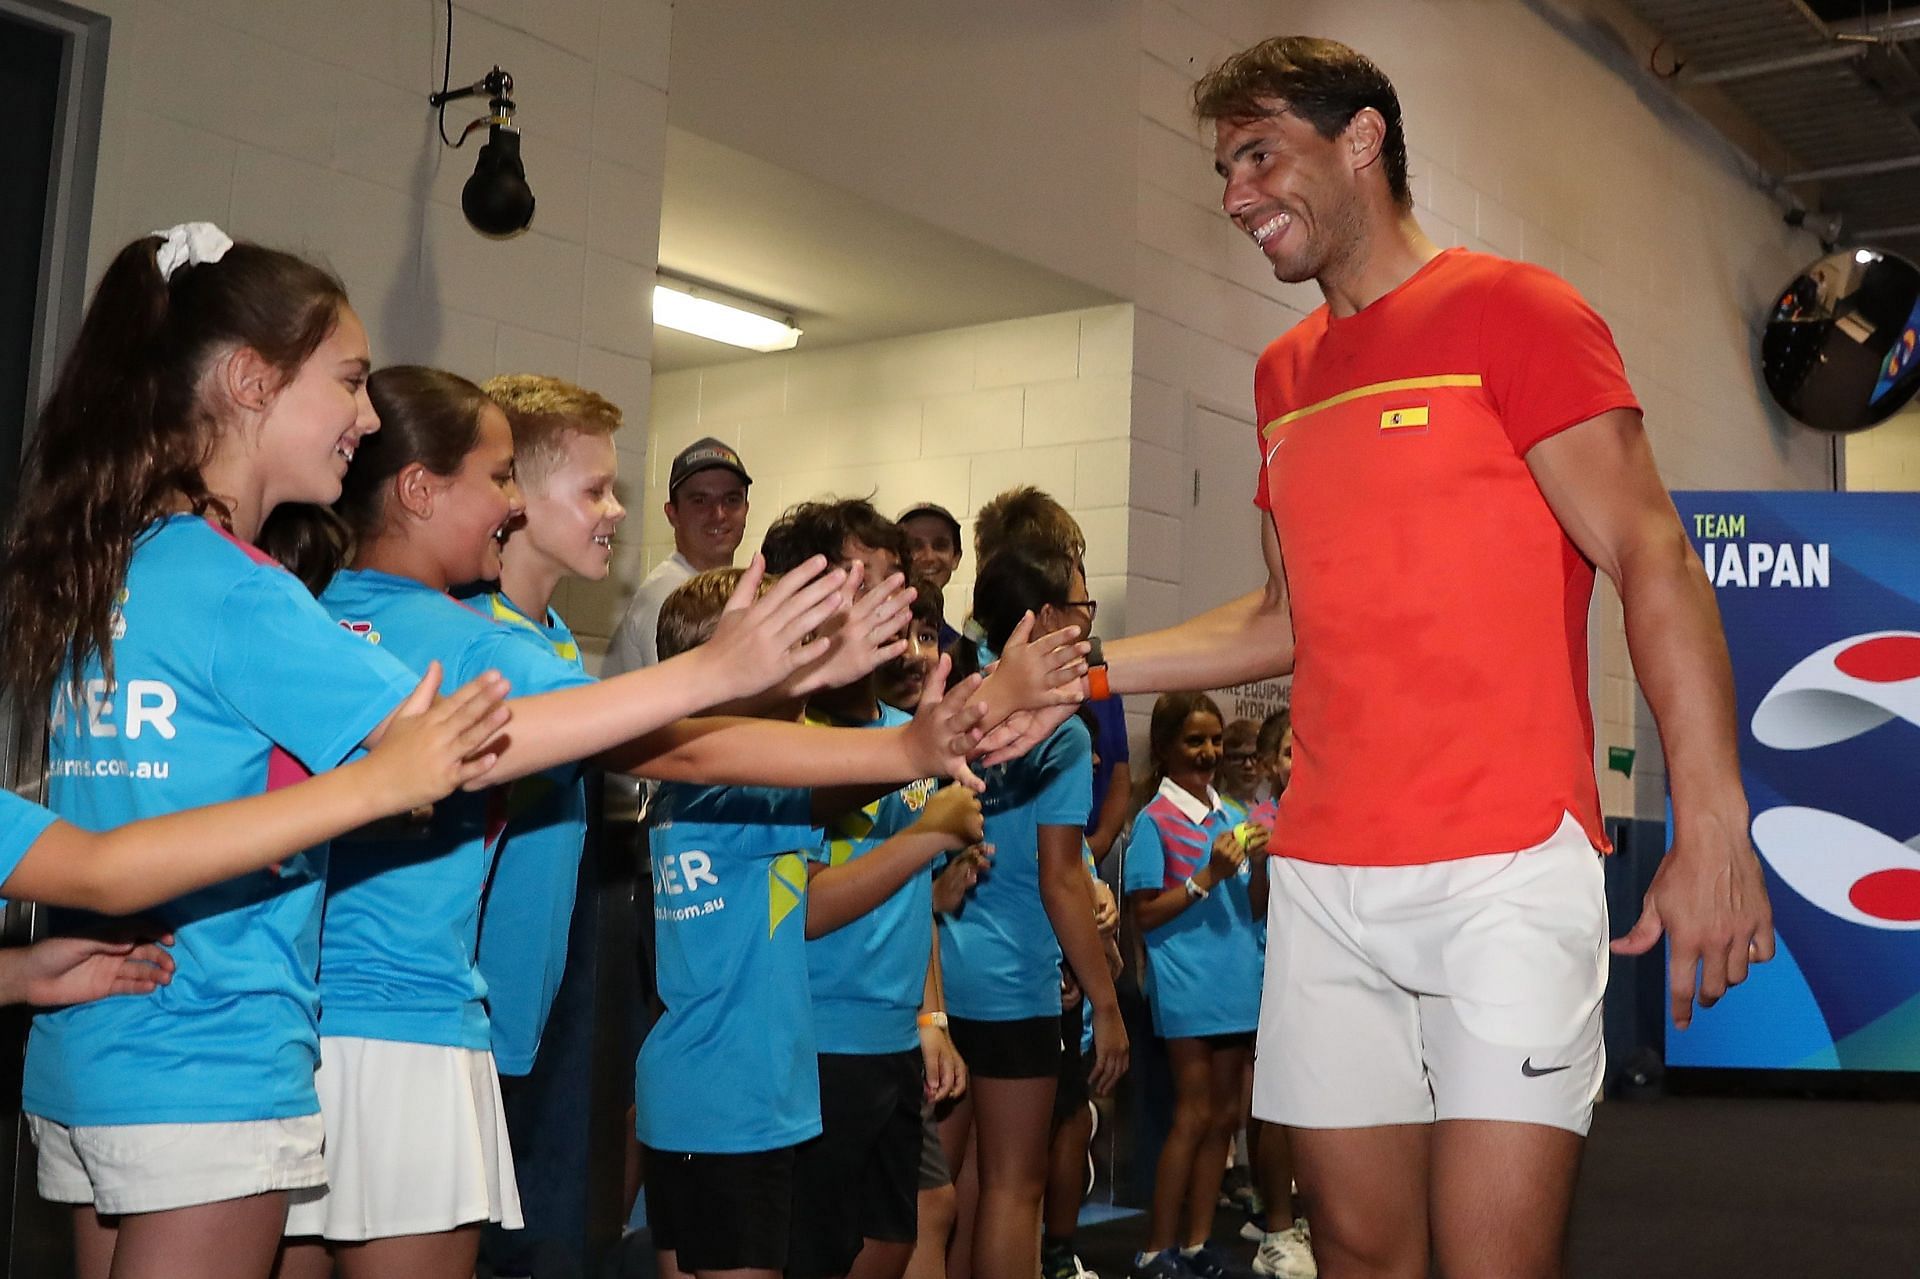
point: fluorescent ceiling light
(708, 313)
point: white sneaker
(1285, 1254)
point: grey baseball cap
(705, 455)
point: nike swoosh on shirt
(1532, 1071)
(1275, 449)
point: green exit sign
(1620, 760)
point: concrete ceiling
(848, 270)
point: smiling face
(708, 512)
(936, 551)
(1297, 194)
(1194, 754)
(316, 421)
(571, 508)
(474, 507)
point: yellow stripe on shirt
(1433, 382)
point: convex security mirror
(1838, 352)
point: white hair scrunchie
(190, 244)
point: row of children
(814, 1164)
(328, 1074)
(825, 1054)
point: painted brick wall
(1886, 458)
(1546, 153)
(306, 126)
(952, 417)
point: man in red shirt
(1449, 450)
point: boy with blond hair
(565, 464)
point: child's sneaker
(1254, 1228)
(1167, 1264)
(1208, 1264)
(1286, 1254)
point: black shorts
(721, 1212)
(860, 1178)
(1026, 1049)
(1073, 1091)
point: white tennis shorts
(416, 1143)
(120, 1168)
(1465, 989)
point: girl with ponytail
(1001, 952)
(211, 381)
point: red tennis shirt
(1439, 610)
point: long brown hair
(429, 416)
(123, 438)
(1170, 715)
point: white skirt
(416, 1143)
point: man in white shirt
(707, 507)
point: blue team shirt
(21, 822)
(869, 977)
(1203, 965)
(397, 955)
(731, 1067)
(998, 957)
(230, 680)
(529, 904)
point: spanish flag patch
(1412, 418)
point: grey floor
(1699, 1188)
(1695, 1188)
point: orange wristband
(1097, 690)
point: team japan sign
(1820, 595)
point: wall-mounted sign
(1820, 594)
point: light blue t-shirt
(731, 1066)
(21, 822)
(1203, 965)
(403, 915)
(523, 923)
(998, 956)
(869, 976)
(227, 673)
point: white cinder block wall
(1886, 458)
(952, 417)
(1522, 144)
(306, 126)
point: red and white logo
(1847, 869)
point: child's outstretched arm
(837, 895)
(758, 752)
(760, 641)
(79, 970)
(427, 751)
(872, 634)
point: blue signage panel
(1820, 594)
